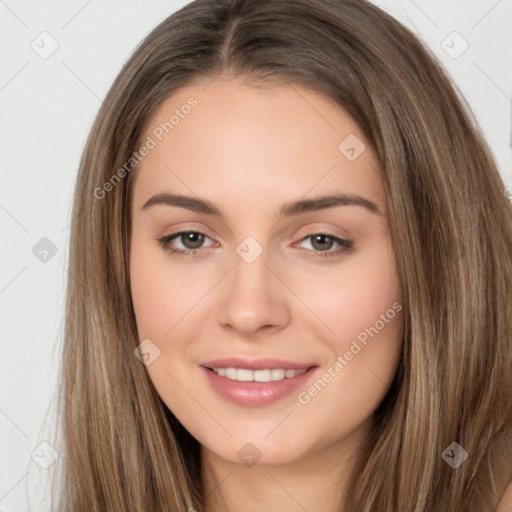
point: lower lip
(255, 394)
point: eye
(193, 241)
(324, 242)
(194, 238)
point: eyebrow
(292, 208)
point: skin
(505, 504)
(249, 150)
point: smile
(265, 375)
(255, 388)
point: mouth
(262, 375)
(257, 387)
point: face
(265, 282)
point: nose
(254, 297)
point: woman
(257, 368)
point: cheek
(163, 300)
(161, 293)
(151, 301)
(361, 304)
(355, 297)
(365, 310)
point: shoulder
(502, 463)
(505, 504)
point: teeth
(243, 375)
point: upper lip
(256, 364)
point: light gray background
(47, 107)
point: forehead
(234, 142)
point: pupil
(189, 237)
(320, 238)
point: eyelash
(346, 246)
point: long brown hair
(451, 226)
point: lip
(256, 394)
(256, 364)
